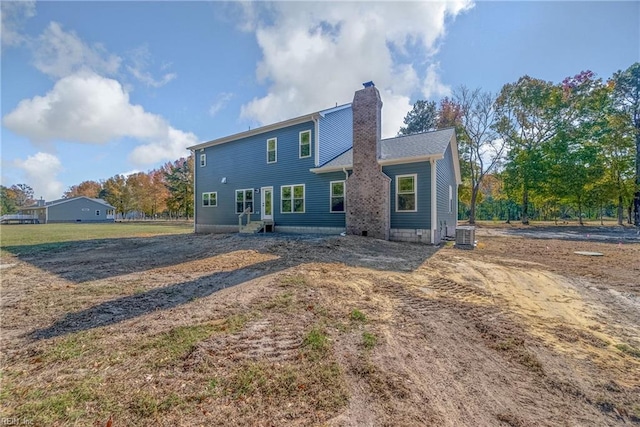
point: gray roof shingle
(416, 146)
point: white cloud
(316, 54)
(432, 85)
(41, 171)
(91, 109)
(58, 53)
(13, 14)
(141, 58)
(221, 101)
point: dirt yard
(336, 331)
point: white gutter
(316, 120)
(195, 193)
(434, 202)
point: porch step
(252, 228)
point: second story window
(272, 150)
(203, 160)
(305, 144)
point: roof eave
(256, 131)
(330, 169)
(412, 159)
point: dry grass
(291, 341)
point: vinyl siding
(445, 177)
(72, 211)
(244, 164)
(422, 218)
(336, 134)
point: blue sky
(95, 89)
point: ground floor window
(244, 200)
(337, 196)
(210, 199)
(97, 212)
(406, 193)
(292, 198)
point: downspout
(316, 121)
(434, 202)
(346, 177)
(195, 193)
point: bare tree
(480, 145)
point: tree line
(166, 192)
(535, 150)
(544, 150)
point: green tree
(179, 182)
(7, 201)
(526, 113)
(627, 98)
(422, 118)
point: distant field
(37, 234)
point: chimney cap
(368, 84)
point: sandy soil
(520, 331)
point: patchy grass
(630, 350)
(27, 238)
(358, 316)
(369, 340)
(175, 344)
(294, 280)
(316, 343)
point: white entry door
(266, 203)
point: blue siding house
(330, 172)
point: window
(244, 200)
(337, 196)
(203, 160)
(210, 200)
(406, 193)
(292, 198)
(450, 199)
(97, 212)
(305, 144)
(272, 150)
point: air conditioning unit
(465, 237)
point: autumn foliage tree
(85, 188)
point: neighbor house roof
(401, 149)
(61, 201)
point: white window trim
(210, 205)
(415, 191)
(275, 150)
(304, 198)
(344, 196)
(203, 160)
(450, 199)
(300, 156)
(244, 200)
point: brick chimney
(368, 189)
